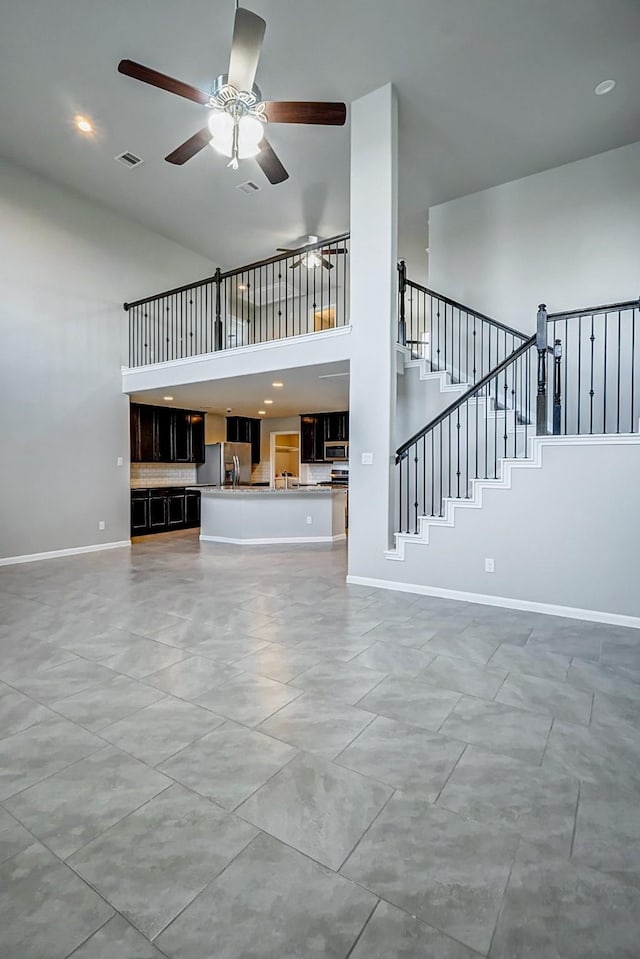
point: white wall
(372, 384)
(566, 534)
(569, 237)
(66, 267)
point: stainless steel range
(339, 478)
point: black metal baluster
(604, 378)
(415, 488)
(618, 409)
(433, 486)
(458, 455)
(633, 366)
(591, 390)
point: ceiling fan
(238, 112)
(315, 257)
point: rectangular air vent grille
(248, 187)
(129, 159)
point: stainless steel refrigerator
(226, 464)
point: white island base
(254, 516)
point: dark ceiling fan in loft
(238, 112)
(315, 256)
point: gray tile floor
(223, 753)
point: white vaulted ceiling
(489, 90)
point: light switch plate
(367, 459)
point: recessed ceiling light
(268, 402)
(277, 385)
(262, 412)
(242, 286)
(83, 124)
(167, 397)
(605, 87)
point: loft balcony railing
(302, 291)
(579, 373)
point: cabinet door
(307, 439)
(192, 509)
(139, 514)
(146, 444)
(157, 512)
(197, 437)
(134, 432)
(233, 429)
(337, 429)
(176, 509)
(254, 439)
(181, 436)
(319, 437)
(163, 451)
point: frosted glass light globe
(221, 127)
(250, 133)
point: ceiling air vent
(248, 187)
(129, 159)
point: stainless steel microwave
(336, 451)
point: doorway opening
(285, 459)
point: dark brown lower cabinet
(160, 510)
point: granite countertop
(169, 486)
(260, 490)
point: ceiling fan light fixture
(224, 127)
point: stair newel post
(402, 289)
(541, 344)
(557, 387)
(217, 336)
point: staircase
(578, 376)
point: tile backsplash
(162, 474)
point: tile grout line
(575, 820)
(504, 897)
(374, 820)
(453, 769)
(361, 933)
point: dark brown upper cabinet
(160, 434)
(245, 429)
(316, 429)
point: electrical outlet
(120, 461)
(489, 566)
(101, 524)
(309, 520)
(367, 459)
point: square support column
(374, 325)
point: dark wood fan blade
(295, 264)
(190, 147)
(248, 33)
(270, 164)
(306, 111)
(131, 69)
(326, 264)
(331, 252)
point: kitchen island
(256, 515)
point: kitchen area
(239, 479)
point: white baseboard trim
(547, 609)
(56, 553)
(274, 541)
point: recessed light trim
(262, 412)
(83, 124)
(606, 86)
(268, 402)
(277, 386)
(167, 397)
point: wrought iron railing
(593, 386)
(448, 335)
(302, 291)
(599, 368)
